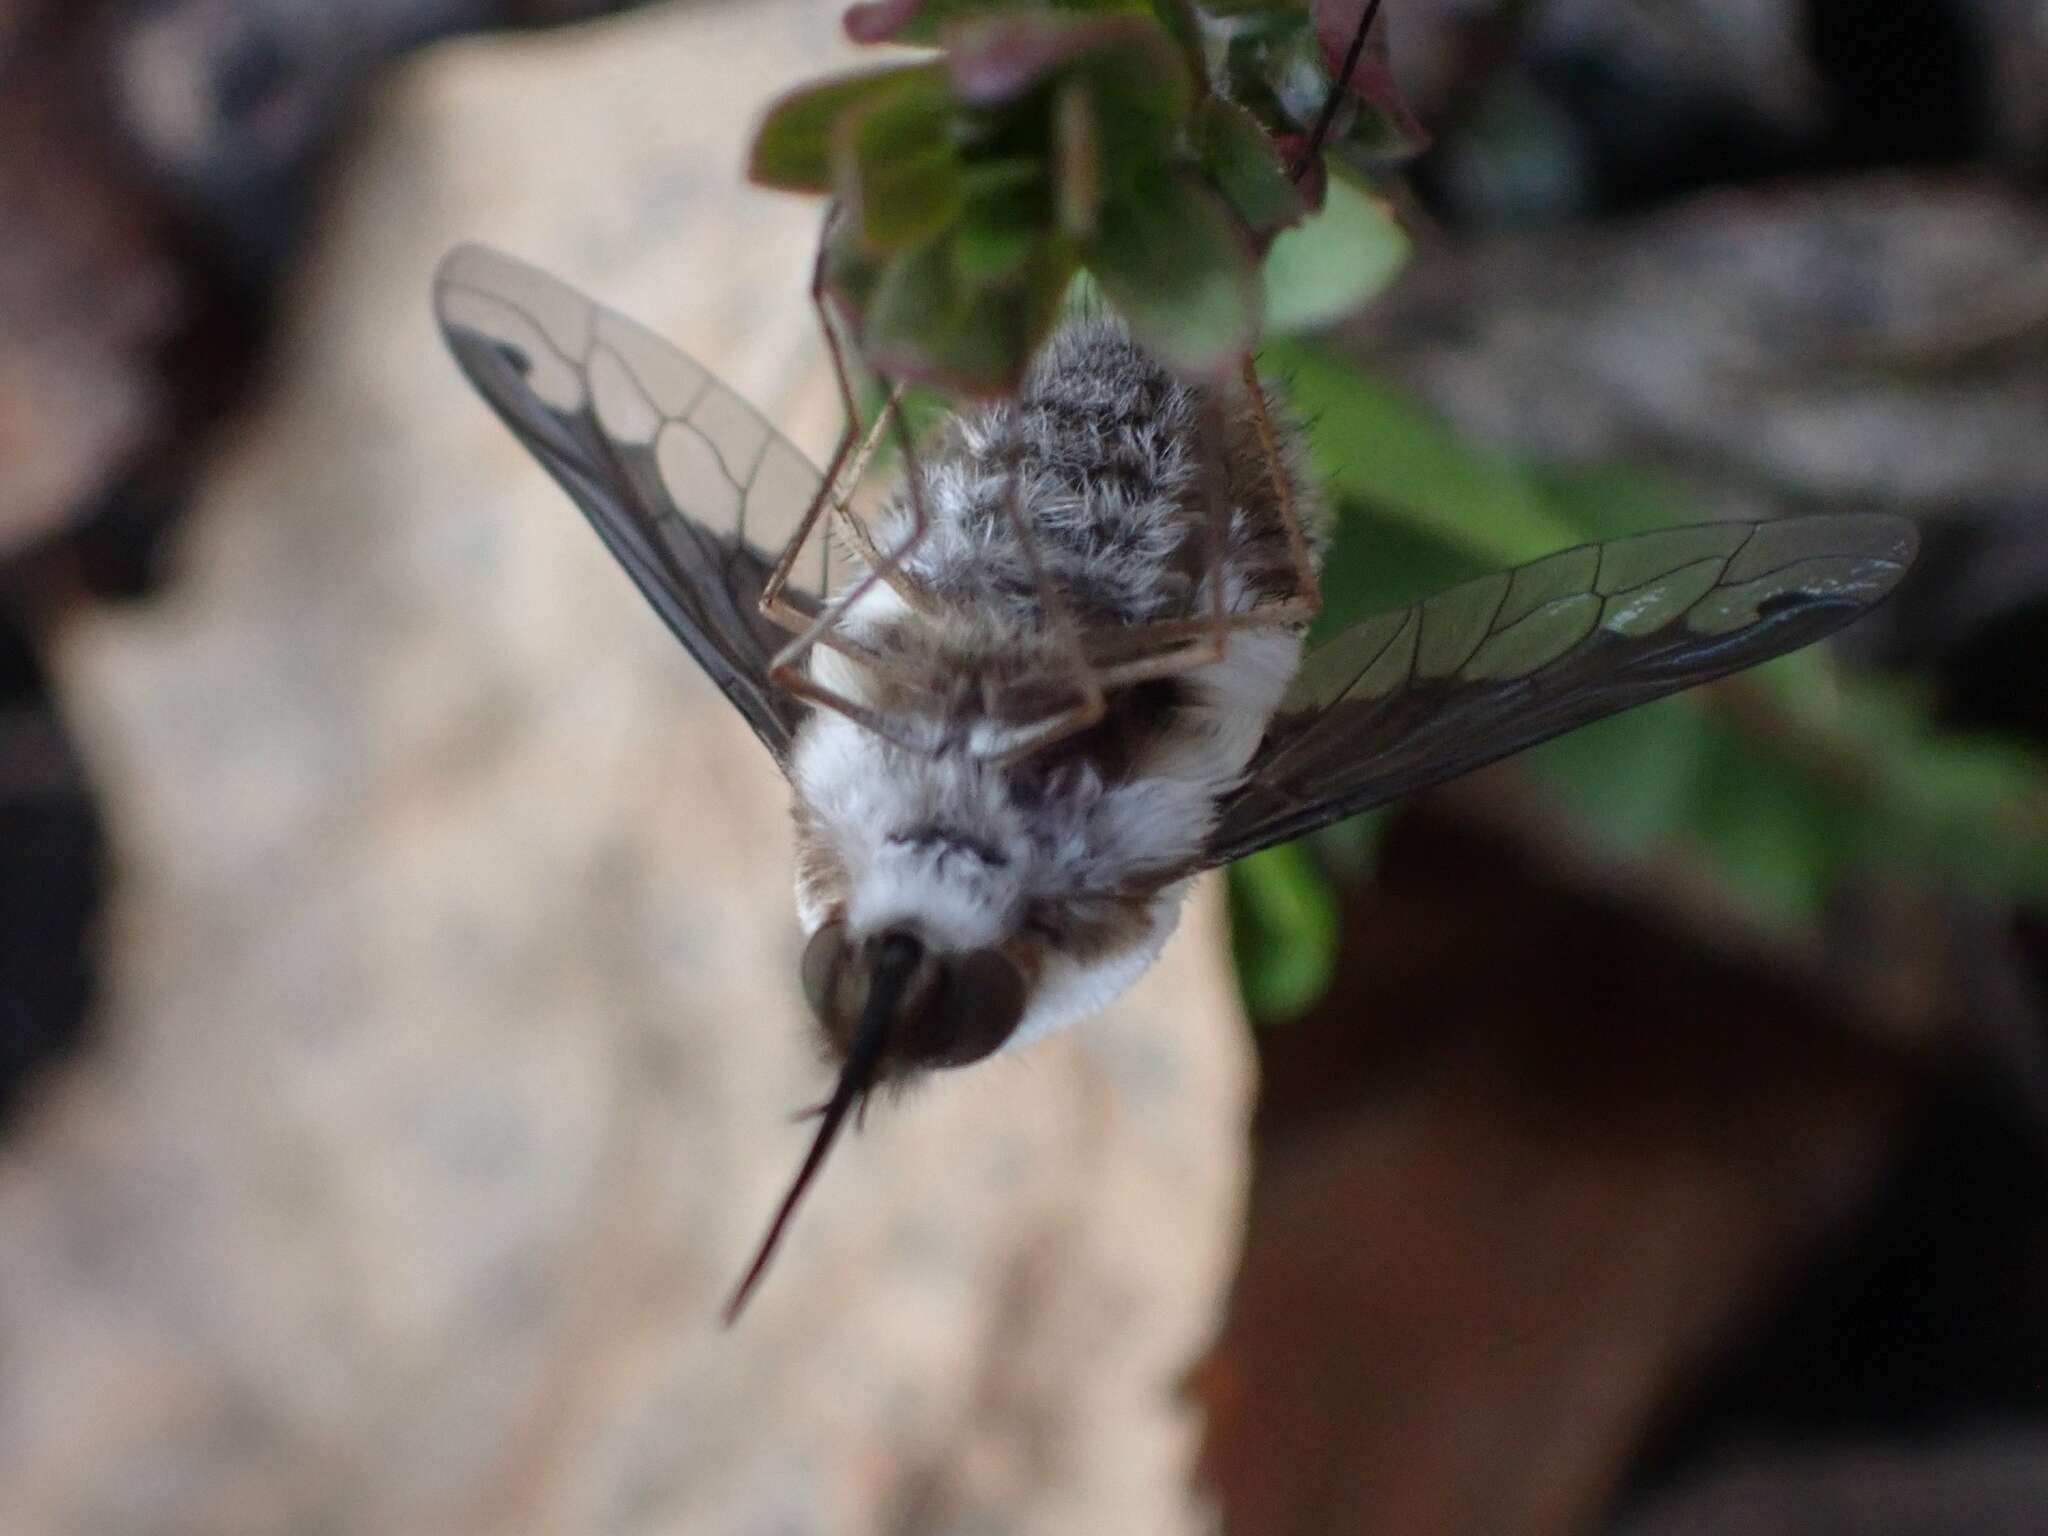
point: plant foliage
(1779, 783)
(1156, 146)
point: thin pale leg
(1307, 600)
(835, 490)
(850, 521)
(787, 670)
(771, 603)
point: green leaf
(1375, 445)
(1274, 68)
(990, 251)
(1275, 65)
(793, 147)
(1008, 177)
(1377, 563)
(924, 323)
(1608, 501)
(1350, 849)
(1003, 222)
(1241, 158)
(1974, 808)
(1638, 773)
(1285, 926)
(1188, 30)
(1780, 838)
(1984, 804)
(1335, 262)
(899, 175)
(1172, 260)
(1140, 86)
(1143, 94)
(919, 322)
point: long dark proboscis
(1328, 117)
(885, 987)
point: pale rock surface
(454, 1023)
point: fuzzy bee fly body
(1060, 671)
(1067, 862)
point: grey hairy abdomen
(1103, 450)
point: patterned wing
(1410, 698)
(686, 483)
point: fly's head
(930, 864)
(914, 874)
(926, 1008)
(956, 906)
(910, 887)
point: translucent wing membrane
(1410, 698)
(687, 484)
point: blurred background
(397, 998)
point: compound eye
(976, 1007)
(827, 984)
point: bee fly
(1075, 679)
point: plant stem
(1338, 88)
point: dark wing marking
(1410, 698)
(686, 483)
